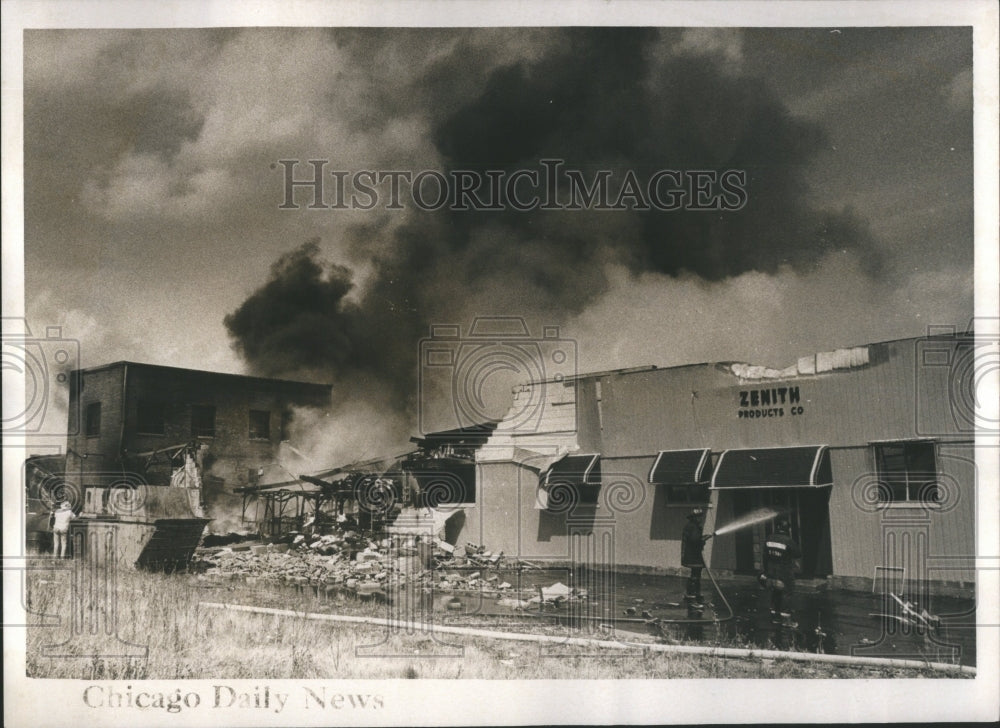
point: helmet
(696, 513)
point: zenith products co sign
(773, 402)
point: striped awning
(679, 467)
(574, 470)
(774, 467)
(579, 475)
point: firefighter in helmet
(692, 543)
(781, 554)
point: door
(808, 512)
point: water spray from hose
(752, 518)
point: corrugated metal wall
(629, 417)
(698, 406)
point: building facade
(869, 450)
(135, 418)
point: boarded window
(260, 425)
(202, 420)
(151, 417)
(93, 419)
(907, 472)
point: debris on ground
(557, 590)
(352, 562)
(905, 612)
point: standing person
(60, 529)
(781, 553)
(692, 543)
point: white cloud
(145, 185)
(760, 318)
(725, 42)
(265, 95)
(104, 339)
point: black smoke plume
(620, 99)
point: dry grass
(162, 613)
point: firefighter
(692, 543)
(781, 553)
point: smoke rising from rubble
(359, 430)
(617, 99)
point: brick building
(135, 417)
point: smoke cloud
(616, 99)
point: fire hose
(717, 619)
(708, 651)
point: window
(681, 474)
(93, 419)
(686, 494)
(286, 426)
(260, 425)
(202, 420)
(907, 471)
(151, 418)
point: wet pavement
(818, 619)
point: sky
(153, 228)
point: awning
(775, 467)
(679, 467)
(574, 470)
(580, 474)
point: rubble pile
(324, 560)
(351, 563)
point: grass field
(161, 613)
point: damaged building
(423, 491)
(870, 450)
(366, 494)
(166, 425)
